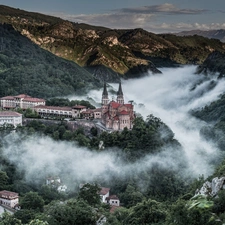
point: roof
(97, 110)
(7, 98)
(115, 105)
(9, 113)
(8, 194)
(113, 208)
(30, 99)
(112, 197)
(129, 105)
(123, 112)
(25, 98)
(120, 92)
(22, 96)
(79, 107)
(53, 107)
(104, 191)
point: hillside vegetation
(27, 68)
(130, 53)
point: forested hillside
(26, 68)
(108, 52)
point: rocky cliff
(116, 53)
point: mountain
(214, 63)
(109, 53)
(217, 34)
(27, 68)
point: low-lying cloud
(169, 96)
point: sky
(157, 16)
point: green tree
(90, 194)
(3, 179)
(32, 200)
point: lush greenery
(213, 114)
(26, 68)
(166, 198)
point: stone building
(116, 115)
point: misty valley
(156, 170)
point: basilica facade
(116, 115)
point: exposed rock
(212, 188)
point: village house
(104, 193)
(8, 198)
(112, 200)
(20, 101)
(10, 117)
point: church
(116, 115)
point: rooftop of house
(53, 107)
(8, 194)
(112, 197)
(104, 191)
(9, 114)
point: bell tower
(105, 97)
(120, 98)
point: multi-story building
(70, 112)
(116, 115)
(20, 101)
(9, 117)
(9, 198)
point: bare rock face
(212, 188)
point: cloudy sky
(157, 16)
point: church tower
(105, 97)
(120, 98)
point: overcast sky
(157, 16)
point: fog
(170, 96)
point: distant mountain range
(217, 34)
(109, 53)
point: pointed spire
(120, 92)
(120, 95)
(105, 92)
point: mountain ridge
(126, 52)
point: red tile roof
(115, 105)
(79, 107)
(7, 98)
(129, 105)
(9, 113)
(104, 191)
(123, 112)
(25, 98)
(53, 107)
(8, 194)
(22, 96)
(113, 197)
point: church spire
(120, 95)
(105, 98)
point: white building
(9, 198)
(20, 101)
(9, 117)
(113, 200)
(71, 112)
(104, 193)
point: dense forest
(155, 195)
(26, 68)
